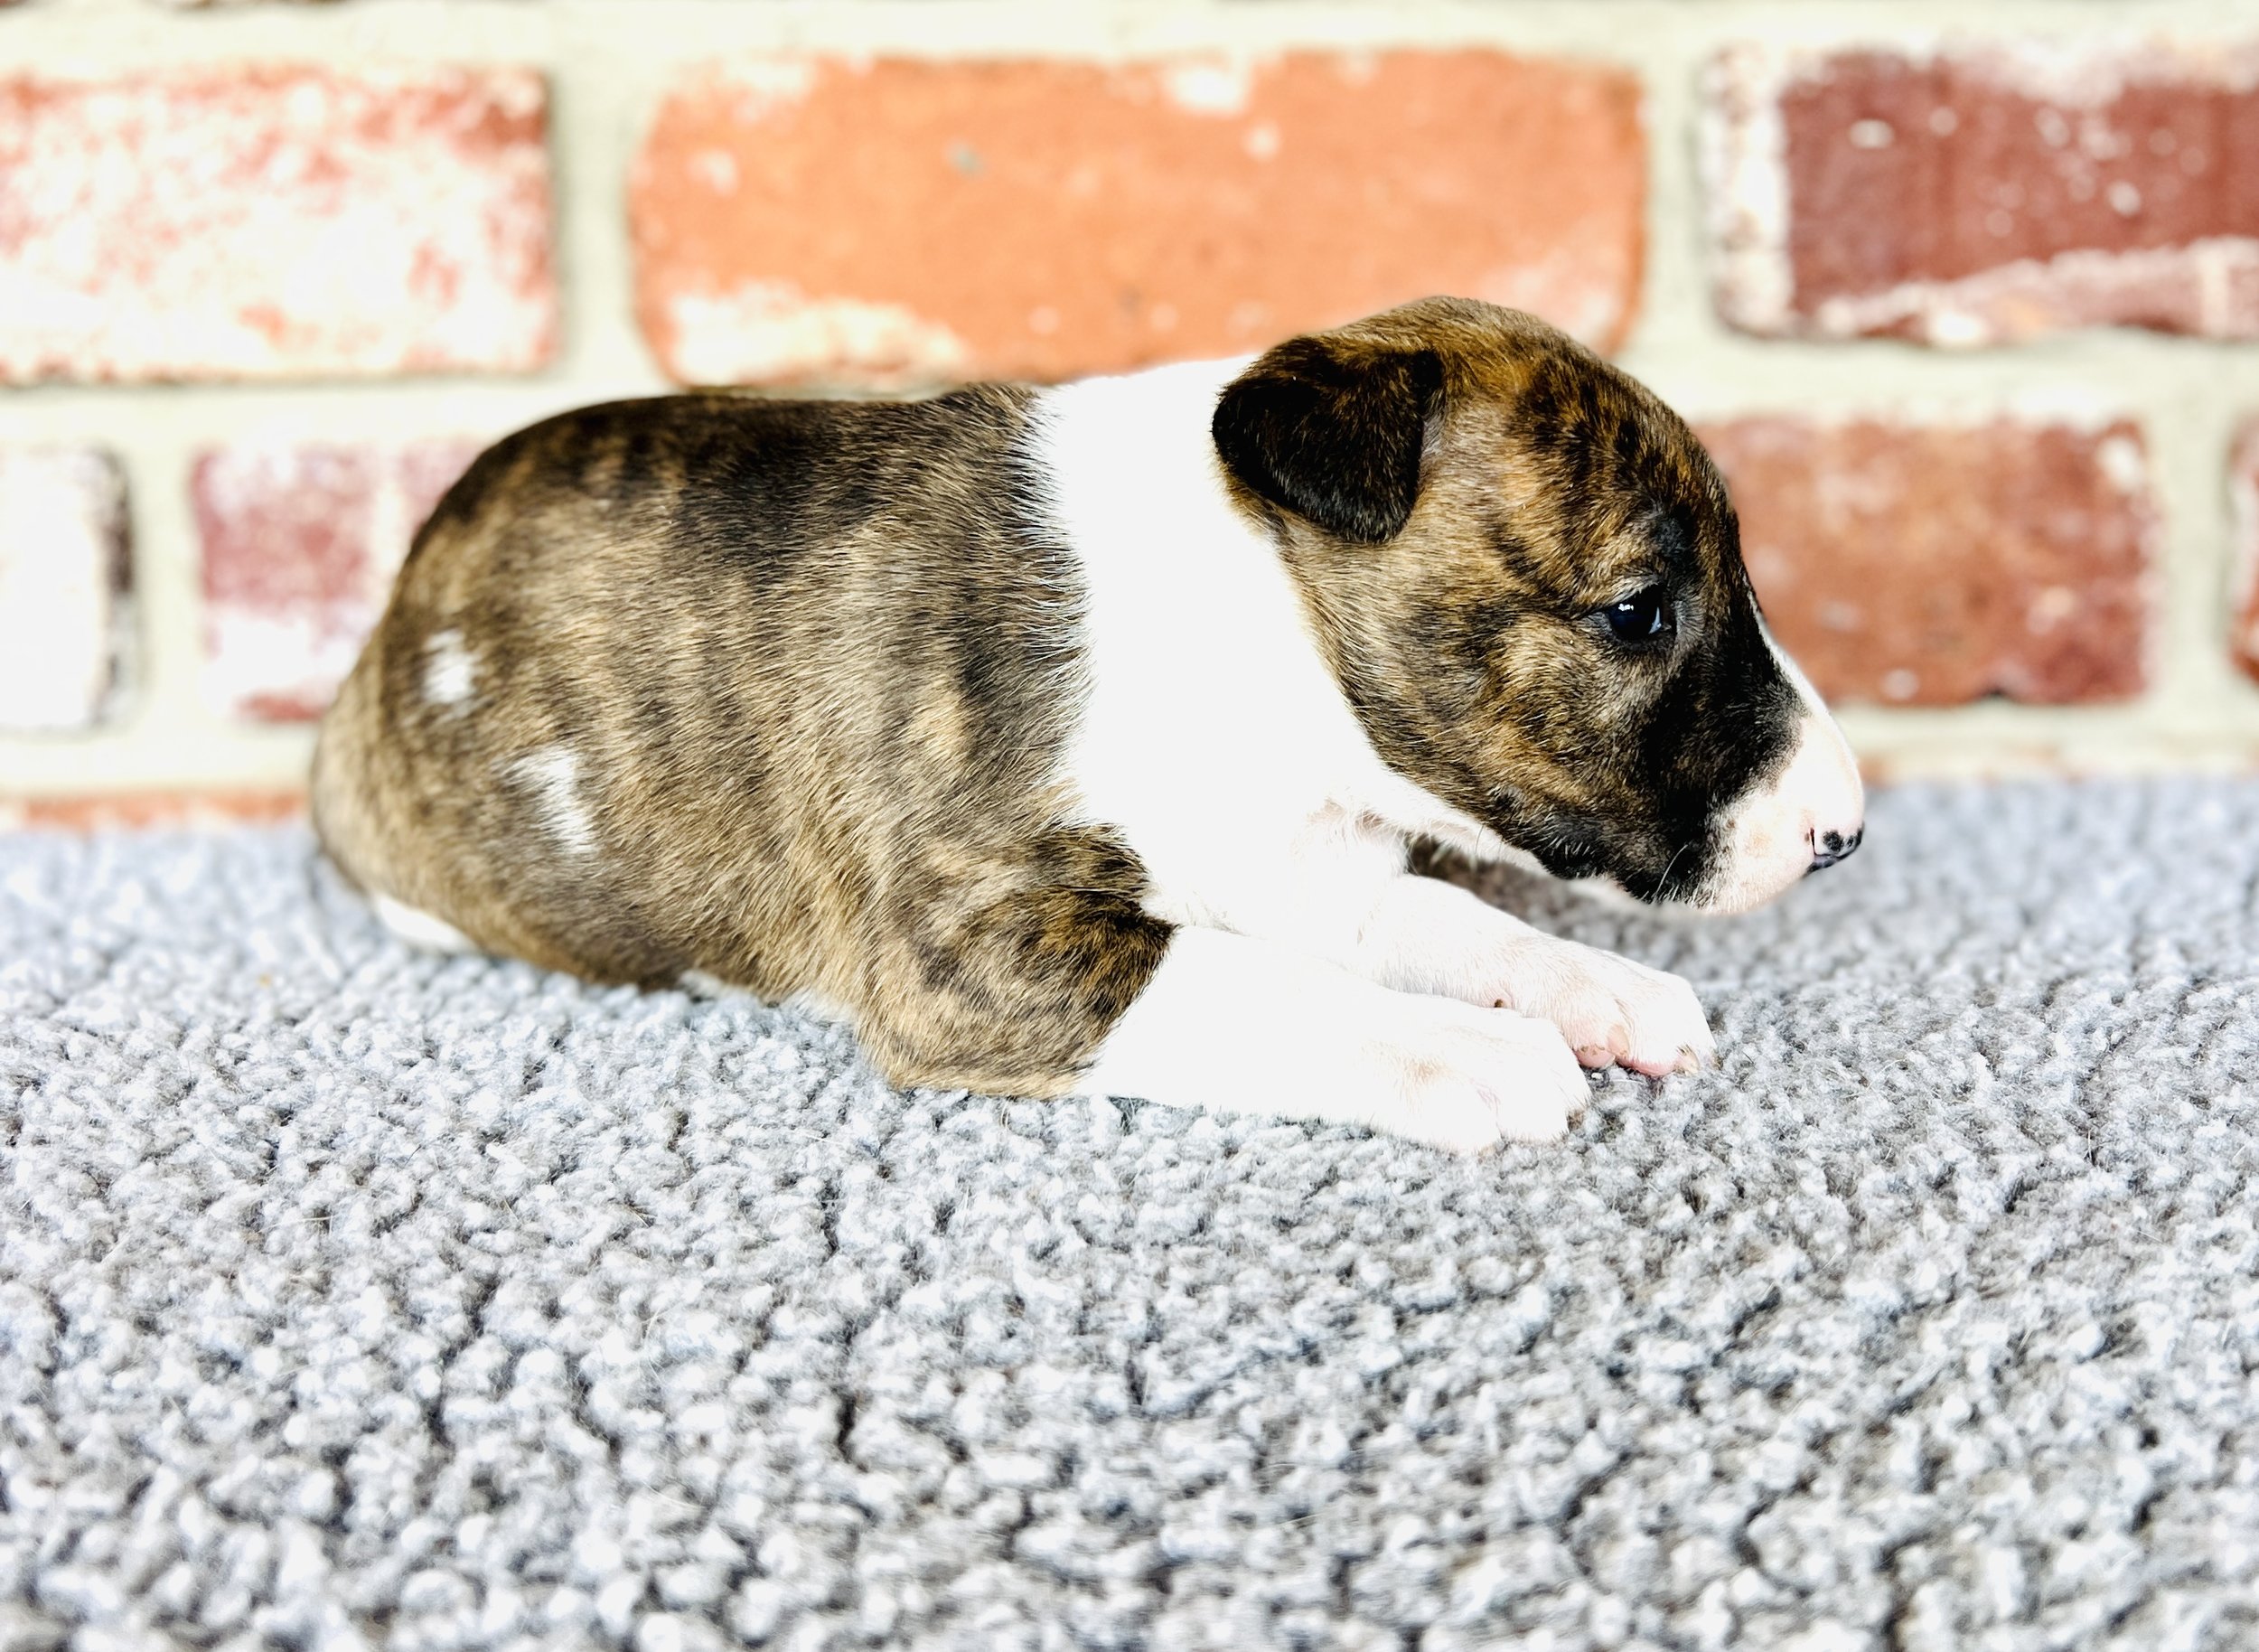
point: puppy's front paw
(1609, 1009)
(1466, 1079)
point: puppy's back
(688, 682)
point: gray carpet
(350, 1296)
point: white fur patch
(1229, 1024)
(419, 928)
(1768, 833)
(450, 670)
(1207, 699)
(553, 774)
(1425, 936)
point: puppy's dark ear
(1333, 431)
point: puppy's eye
(1643, 616)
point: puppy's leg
(1230, 1024)
(1003, 983)
(1424, 935)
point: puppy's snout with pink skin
(1820, 789)
(1804, 818)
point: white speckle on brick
(717, 170)
(763, 87)
(262, 223)
(768, 330)
(1957, 329)
(254, 660)
(1262, 140)
(1208, 87)
(450, 670)
(2209, 286)
(2122, 463)
(1900, 684)
(2081, 72)
(553, 774)
(2243, 489)
(1871, 135)
(300, 543)
(2049, 606)
(1743, 153)
(63, 579)
(2125, 199)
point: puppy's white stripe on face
(1770, 835)
(450, 670)
(553, 773)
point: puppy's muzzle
(1809, 816)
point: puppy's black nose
(1830, 846)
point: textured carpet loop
(354, 1298)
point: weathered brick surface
(1987, 194)
(2244, 488)
(139, 811)
(262, 222)
(64, 576)
(896, 220)
(1930, 566)
(300, 545)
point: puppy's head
(1527, 576)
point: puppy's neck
(1214, 701)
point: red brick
(300, 545)
(2244, 488)
(64, 579)
(1986, 194)
(141, 811)
(892, 222)
(1931, 566)
(269, 222)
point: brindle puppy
(1072, 739)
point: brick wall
(1965, 299)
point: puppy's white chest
(1211, 733)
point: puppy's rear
(747, 688)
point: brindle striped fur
(815, 665)
(815, 662)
